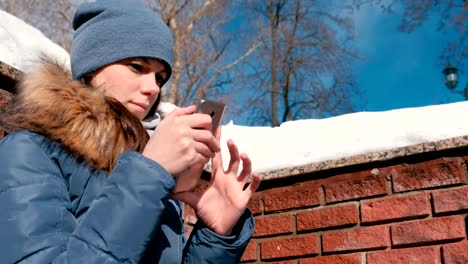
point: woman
(80, 179)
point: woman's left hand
(224, 200)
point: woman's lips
(141, 105)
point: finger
(256, 179)
(204, 150)
(198, 121)
(206, 138)
(217, 133)
(179, 111)
(190, 198)
(217, 161)
(234, 153)
(246, 168)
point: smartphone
(214, 109)
(187, 181)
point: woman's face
(134, 82)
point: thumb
(189, 197)
(179, 111)
(217, 160)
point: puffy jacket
(56, 209)
(57, 206)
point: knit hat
(107, 31)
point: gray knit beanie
(107, 31)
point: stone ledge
(446, 144)
(9, 77)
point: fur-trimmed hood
(92, 126)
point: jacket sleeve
(205, 246)
(36, 225)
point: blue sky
(401, 70)
(398, 69)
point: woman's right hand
(182, 140)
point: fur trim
(92, 126)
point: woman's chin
(137, 111)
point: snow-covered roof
(21, 44)
(294, 143)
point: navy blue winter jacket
(76, 190)
(57, 209)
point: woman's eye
(136, 67)
(159, 79)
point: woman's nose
(149, 85)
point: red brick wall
(413, 210)
(409, 210)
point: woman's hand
(224, 200)
(182, 141)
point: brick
(337, 259)
(296, 196)
(396, 208)
(435, 173)
(255, 203)
(450, 200)
(374, 237)
(250, 253)
(456, 253)
(283, 262)
(201, 186)
(289, 247)
(273, 225)
(417, 255)
(189, 215)
(354, 186)
(325, 217)
(428, 230)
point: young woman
(80, 179)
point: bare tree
(202, 51)
(452, 14)
(201, 48)
(303, 67)
(52, 17)
(298, 63)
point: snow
(302, 142)
(21, 45)
(294, 143)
